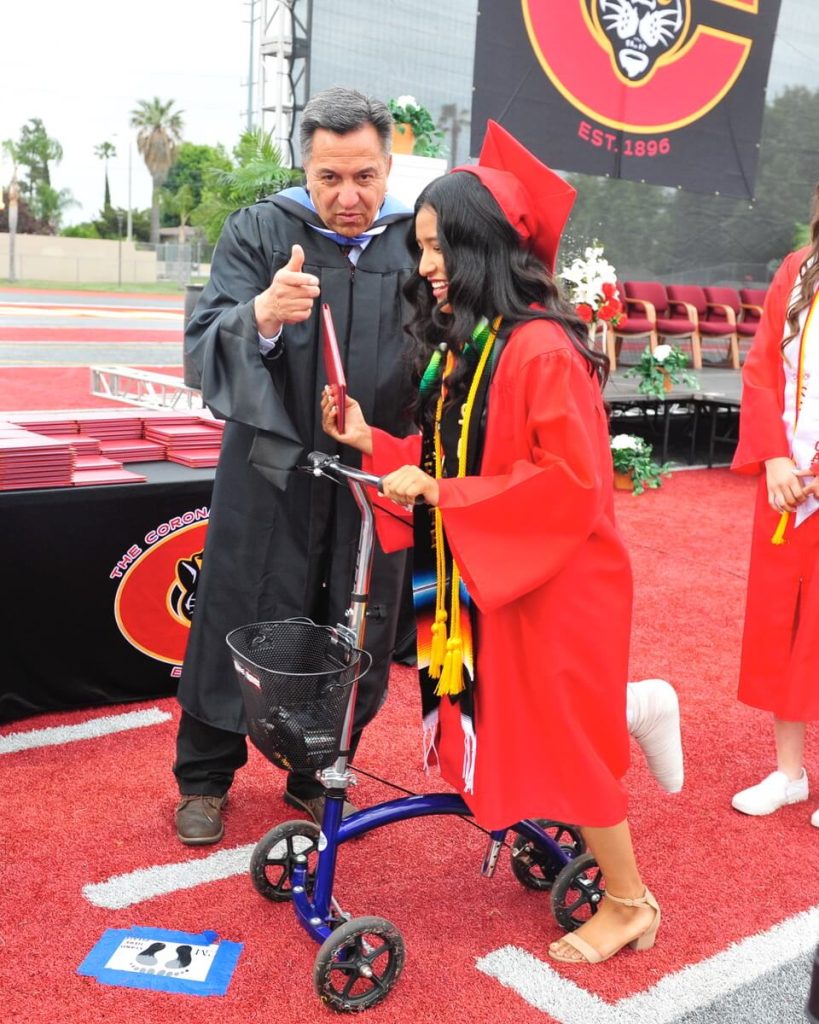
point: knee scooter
(299, 683)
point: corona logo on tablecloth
(156, 594)
(661, 91)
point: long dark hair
(809, 274)
(489, 274)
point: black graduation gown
(282, 543)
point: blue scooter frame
(361, 958)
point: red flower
(609, 290)
(610, 311)
(585, 312)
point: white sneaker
(772, 793)
(653, 713)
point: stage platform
(688, 426)
(714, 381)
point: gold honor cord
(446, 655)
(779, 533)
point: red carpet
(82, 812)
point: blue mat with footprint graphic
(163, 960)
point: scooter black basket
(295, 677)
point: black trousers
(208, 757)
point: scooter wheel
(358, 964)
(274, 857)
(536, 867)
(577, 892)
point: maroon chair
(676, 322)
(752, 300)
(730, 299)
(639, 321)
(712, 324)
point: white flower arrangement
(629, 441)
(633, 457)
(661, 368)
(592, 286)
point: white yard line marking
(95, 727)
(124, 890)
(689, 989)
(106, 312)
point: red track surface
(65, 387)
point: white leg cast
(653, 713)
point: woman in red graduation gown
(779, 439)
(522, 583)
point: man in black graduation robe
(282, 543)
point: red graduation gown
(781, 635)
(535, 540)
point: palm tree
(258, 172)
(106, 151)
(159, 130)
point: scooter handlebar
(320, 464)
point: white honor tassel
(470, 752)
(430, 731)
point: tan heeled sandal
(589, 955)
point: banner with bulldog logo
(669, 92)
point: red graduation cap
(535, 200)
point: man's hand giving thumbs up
(290, 297)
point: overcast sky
(82, 66)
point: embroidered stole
(444, 614)
(801, 413)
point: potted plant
(634, 466)
(660, 370)
(414, 130)
(591, 284)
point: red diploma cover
(332, 365)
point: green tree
(49, 204)
(763, 231)
(106, 151)
(40, 205)
(258, 172)
(626, 217)
(108, 226)
(180, 204)
(159, 131)
(192, 165)
(36, 150)
(671, 234)
(452, 122)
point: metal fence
(183, 261)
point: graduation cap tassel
(452, 676)
(779, 532)
(439, 642)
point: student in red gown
(779, 439)
(523, 586)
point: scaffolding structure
(284, 70)
(145, 388)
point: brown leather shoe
(199, 819)
(314, 806)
